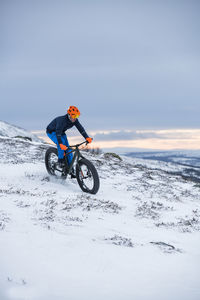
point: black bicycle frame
(77, 155)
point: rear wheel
(87, 176)
(51, 163)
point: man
(56, 132)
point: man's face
(72, 119)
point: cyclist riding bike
(56, 132)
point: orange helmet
(73, 112)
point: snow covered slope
(138, 238)
(9, 130)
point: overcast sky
(125, 64)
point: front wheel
(87, 176)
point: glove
(62, 147)
(89, 140)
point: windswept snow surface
(138, 238)
(9, 130)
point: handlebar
(78, 145)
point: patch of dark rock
(189, 223)
(130, 188)
(2, 225)
(30, 176)
(13, 191)
(22, 204)
(74, 219)
(129, 171)
(20, 282)
(151, 210)
(165, 224)
(106, 206)
(50, 203)
(98, 162)
(110, 155)
(120, 241)
(184, 224)
(89, 203)
(148, 175)
(47, 215)
(165, 247)
(26, 138)
(4, 219)
(68, 206)
(190, 175)
(140, 167)
(197, 185)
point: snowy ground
(8, 130)
(138, 238)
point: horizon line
(158, 140)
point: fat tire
(95, 176)
(47, 154)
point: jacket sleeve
(59, 130)
(81, 129)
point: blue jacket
(61, 124)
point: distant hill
(8, 130)
(184, 157)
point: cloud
(150, 139)
(123, 135)
(143, 139)
(122, 62)
(173, 134)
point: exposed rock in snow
(120, 241)
(167, 248)
(4, 219)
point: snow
(138, 238)
(9, 130)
